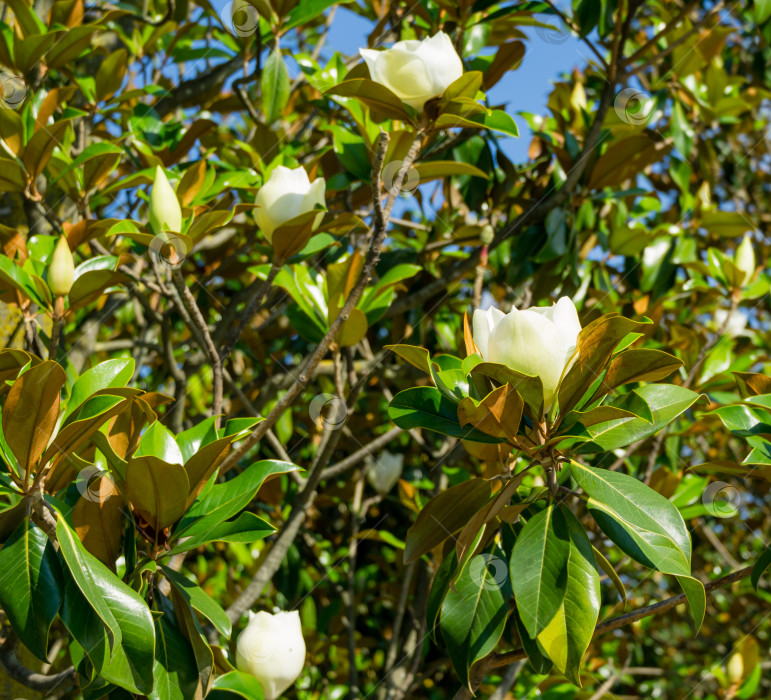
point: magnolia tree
(311, 389)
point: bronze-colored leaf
(444, 515)
(638, 365)
(625, 159)
(484, 516)
(596, 343)
(752, 383)
(497, 414)
(529, 388)
(98, 519)
(203, 464)
(158, 490)
(31, 411)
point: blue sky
(524, 90)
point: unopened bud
(165, 213)
(272, 649)
(488, 235)
(61, 269)
(744, 259)
(735, 668)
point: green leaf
(307, 10)
(236, 683)
(538, 564)
(223, 501)
(374, 95)
(541, 663)
(444, 515)
(119, 638)
(565, 639)
(643, 523)
(438, 169)
(474, 612)
(199, 600)
(416, 356)
(610, 572)
(105, 375)
(428, 408)
(274, 86)
(159, 442)
(763, 562)
(174, 668)
(192, 440)
(439, 588)
(697, 599)
(666, 402)
(30, 585)
(247, 527)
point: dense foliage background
(643, 174)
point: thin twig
(208, 343)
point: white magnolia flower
(744, 259)
(536, 341)
(735, 322)
(287, 194)
(164, 212)
(272, 649)
(385, 471)
(61, 270)
(415, 71)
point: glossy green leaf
(174, 668)
(666, 402)
(224, 500)
(763, 562)
(106, 617)
(199, 600)
(643, 523)
(247, 527)
(275, 86)
(565, 639)
(236, 684)
(474, 612)
(30, 585)
(428, 408)
(105, 375)
(538, 564)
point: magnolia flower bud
(272, 649)
(61, 269)
(735, 668)
(164, 213)
(744, 259)
(385, 471)
(488, 235)
(287, 194)
(416, 71)
(536, 341)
